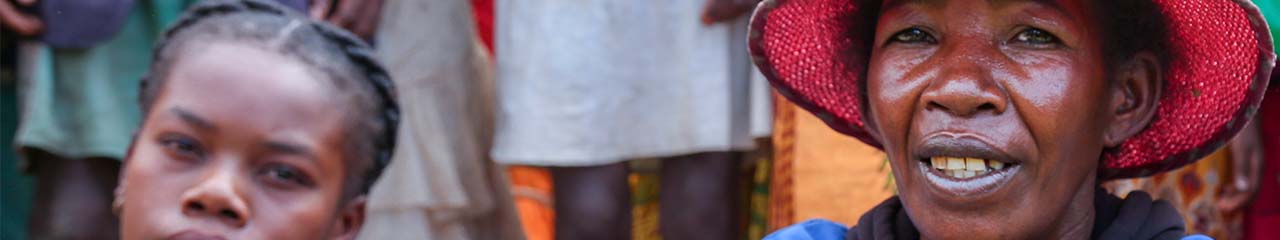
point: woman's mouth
(965, 168)
(967, 176)
(965, 165)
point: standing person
(77, 96)
(441, 184)
(585, 86)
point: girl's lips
(194, 235)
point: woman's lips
(963, 168)
(965, 182)
(964, 165)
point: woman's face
(241, 143)
(992, 113)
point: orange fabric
(532, 189)
(781, 208)
(820, 173)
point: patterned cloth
(1193, 190)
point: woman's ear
(348, 224)
(1135, 96)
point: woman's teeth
(965, 167)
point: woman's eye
(1035, 36)
(287, 174)
(913, 36)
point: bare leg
(697, 197)
(592, 202)
(73, 198)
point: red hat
(1221, 57)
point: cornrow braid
(333, 51)
(362, 55)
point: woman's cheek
(893, 88)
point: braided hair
(347, 61)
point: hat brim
(814, 52)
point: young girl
(259, 124)
(1000, 118)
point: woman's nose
(216, 197)
(964, 84)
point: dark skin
(242, 143)
(23, 24)
(718, 11)
(69, 192)
(358, 16)
(697, 190)
(697, 193)
(1021, 82)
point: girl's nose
(216, 197)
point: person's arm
(726, 10)
(22, 23)
(1246, 163)
(358, 16)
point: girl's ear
(348, 224)
(1135, 96)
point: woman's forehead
(1061, 5)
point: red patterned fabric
(815, 52)
(1263, 214)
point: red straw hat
(814, 52)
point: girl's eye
(1035, 36)
(913, 36)
(182, 146)
(290, 176)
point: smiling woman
(990, 111)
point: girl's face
(241, 143)
(993, 114)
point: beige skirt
(441, 184)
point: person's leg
(697, 197)
(73, 198)
(592, 202)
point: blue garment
(814, 229)
(821, 229)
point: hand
(358, 16)
(725, 10)
(23, 24)
(1246, 162)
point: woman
(1001, 118)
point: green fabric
(75, 103)
(80, 103)
(15, 188)
(1271, 11)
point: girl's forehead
(255, 94)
